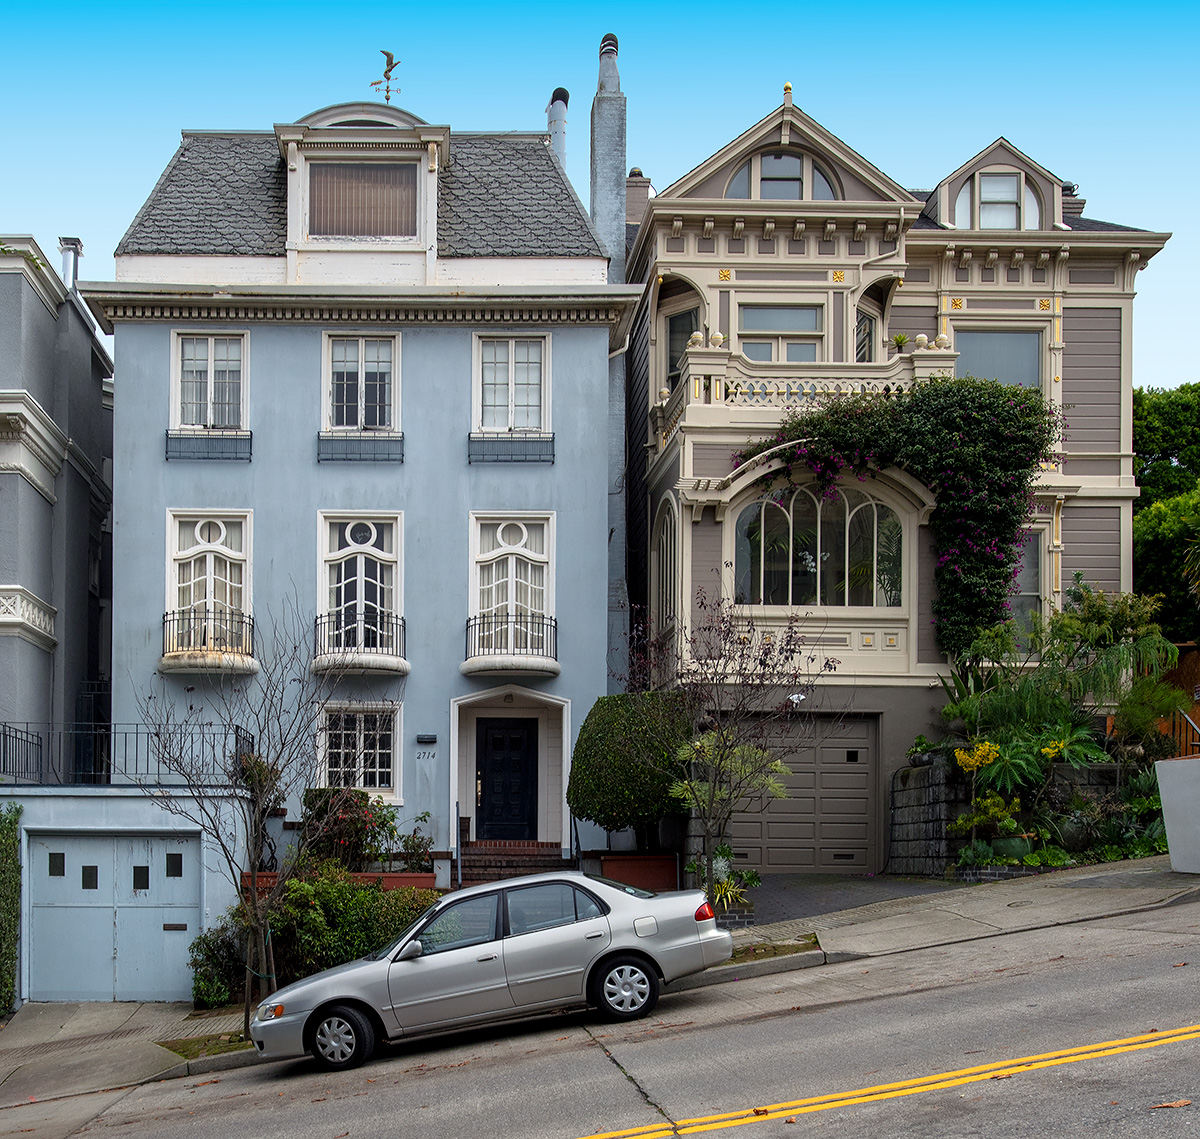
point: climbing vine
(977, 444)
(10, 902)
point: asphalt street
(887, 1046)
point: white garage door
(112, 916)
(827, 822)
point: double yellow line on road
(939, 1082)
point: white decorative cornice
(19, 253)
(23, 614)
(31, 443)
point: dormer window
(1002, 201)
(362, 199)
(780, 176)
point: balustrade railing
(370, 631)
(518, 635)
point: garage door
(827, 821)
(112, 916)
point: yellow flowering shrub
(976, 757)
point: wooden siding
(706, 560)
(927, 646)
(1091, 379)
(913, 320)
(1092, 545)
(711, 460)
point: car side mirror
(411, 950)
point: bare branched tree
(232, 752)
(741, 684)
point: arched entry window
(846, 549)
(664, 598)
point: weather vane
(386, 81)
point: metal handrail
(368, 631)
(214, 629)
(499, 634)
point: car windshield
(632, 891)
(394, 944)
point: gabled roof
(803, 131)
(226, 194)
(1001, 151)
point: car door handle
(591, 936)
(487, 957)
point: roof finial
(787, 94)
(386, 81)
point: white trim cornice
(31, 443)
(25, 257)
(23, 614)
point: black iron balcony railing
(360, 447)
(371, 631)
(50, 754)
(527, 635)
(205, 629)
(216, 443)
(515, 448)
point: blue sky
(1103, 95)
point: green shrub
(338, 821)
(10, 901)
(218, 962)
(621, 766)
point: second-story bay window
(780, 333)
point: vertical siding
(1092, 545)
(637, 405)
(706, 560)
(927, 646)
(1091, 379)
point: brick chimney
(608, 160)
(637, 195)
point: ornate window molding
(31, 443)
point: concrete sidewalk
(48, 1051)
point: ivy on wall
(10, 902)
(977, 444)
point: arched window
(999, 200)
(665, 595)
(781, 176)
(846, 549)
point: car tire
(624, 988)
(342, 1038)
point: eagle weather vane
(386, 81)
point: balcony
(82, 754)
(360, 447)
(208, 639)
(371, 643)
(210, 444)
(527, 447)
(720, 389)
(522, 645)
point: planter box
(388, 880)
(645, 871)
(1179, 788)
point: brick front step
(484, 862)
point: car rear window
(632, 891)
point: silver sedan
(509, 949)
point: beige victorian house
(779, 273)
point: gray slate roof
(226, 194)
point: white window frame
(1027, 190)
(477, 342)
(394, 794)
(178, 335)
(869, 309)
(350, 241)
(325, 557)
(327, 339)
(779, 340)
(1040, 531)
(174, 556)
(1019, 323)
(480, 518)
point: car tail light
(705, 912)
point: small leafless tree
(233, 752)
(743, 687)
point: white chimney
(71, 249)
(608, 160)
(556, 123)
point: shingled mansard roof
(226, 194)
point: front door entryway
(506, 779)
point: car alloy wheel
(628, 989)
(343, 1038)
